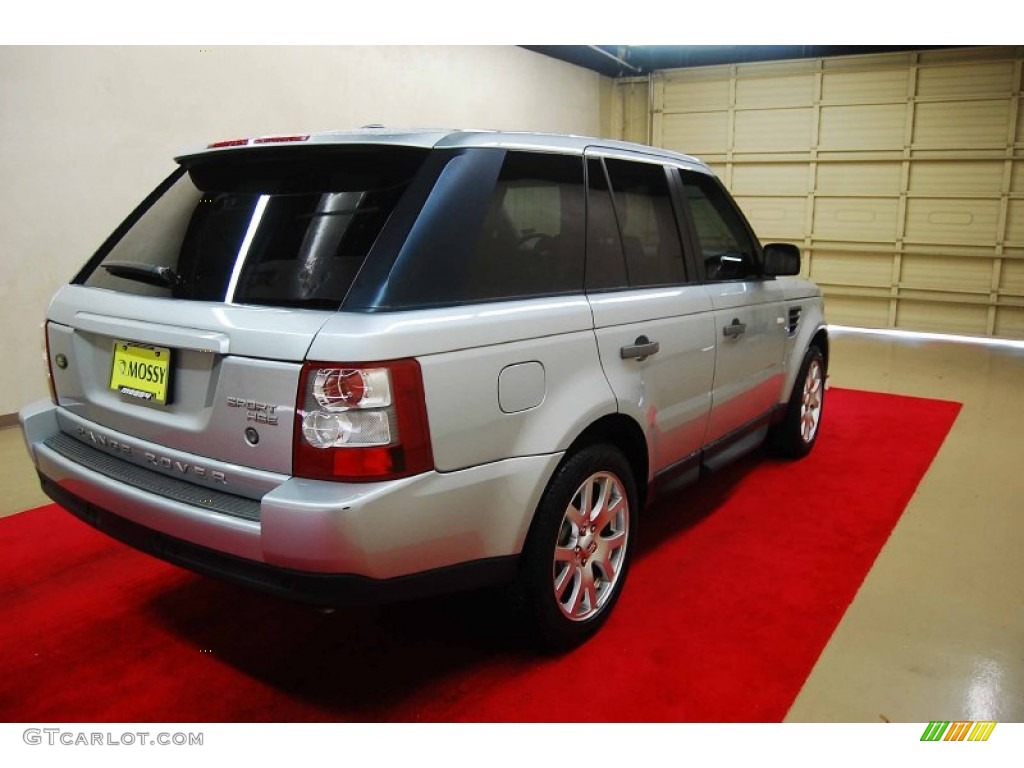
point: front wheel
(795, 435)
(579, 548)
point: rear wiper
(151, 274)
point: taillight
(49, 363)
(260, 140)
(279, 139)
(361, 422)
(228, 143)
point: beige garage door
(900, 176)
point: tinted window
(273, 228)
(531, 241)
(650, 238)
(497, 225)
(606, 266)
(728, 250)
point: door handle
(735, 329)
(640, 349)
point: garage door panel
(902, 177)
(971, 80)
(859, 179)
(770, 178)
(852, 268)
(855, 219)
(699, 133)
(877, 126)
(693, 95)
(1010, 323)
(1015, 223)
(942, 316)
(945, 273)
(961, 125)
(953, 177)
(1011, 277)
(775, 218)
(791, 91)
(857, 311)
(861, 87)
(947, 222)
(773, 130)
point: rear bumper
(320, 589)
(455, 529)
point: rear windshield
(282, 229)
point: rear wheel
(795, 435)
(579, 547)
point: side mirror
(781, 259)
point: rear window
(497, 225)
(282, 229)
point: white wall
(86, 132)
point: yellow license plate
(141, 371)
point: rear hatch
(188, 328)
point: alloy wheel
(591, 546)
(810, 404)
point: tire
(572, 574)
(796, 434)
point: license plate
(141, 371)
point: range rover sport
(375, 365)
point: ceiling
(633, 60)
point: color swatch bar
(958, 731)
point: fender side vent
(794, 320)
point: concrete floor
(17, 476)
(937, 629)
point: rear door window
(281, 229)
(647, 223)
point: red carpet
(739, 582)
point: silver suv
(375, 365)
